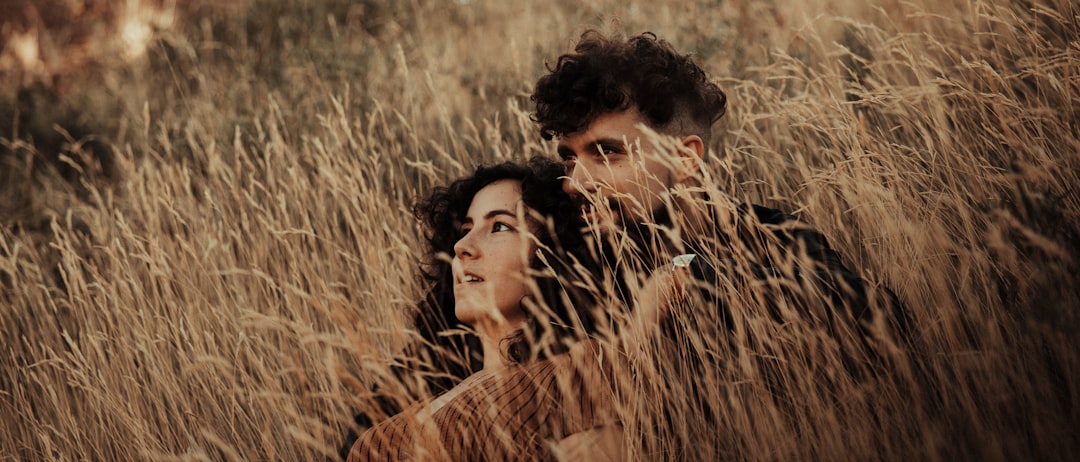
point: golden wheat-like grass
(223, 275)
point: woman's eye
(499, 227)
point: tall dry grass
(207, 252)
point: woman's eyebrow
(499, 212)
(491, 214)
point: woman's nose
(465, 247)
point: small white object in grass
(682, 260)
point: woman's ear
(691, 152)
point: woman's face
(492, 255)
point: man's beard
(637, 241)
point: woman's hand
(606, 443)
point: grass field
(206, 250)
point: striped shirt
(509, 415)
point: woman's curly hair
(606, 75)
(449, 349)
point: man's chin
(603, 220)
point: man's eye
(607, 150)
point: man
(596, 100)
(633, 121)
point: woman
(519, 379)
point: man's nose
(578, 181)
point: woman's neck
(492, 334)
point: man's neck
(671, 229)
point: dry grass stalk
(229, 285)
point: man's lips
(593, 214)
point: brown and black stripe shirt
(510, 415)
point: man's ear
(690, 154)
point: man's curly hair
(605, 75)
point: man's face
(612, 162)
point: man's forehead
(589, 139)
(615, 125)
(596, 135)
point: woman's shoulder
(396, 434)
(589, 367)
(588, 353)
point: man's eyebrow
(609, 142)
(606, 142)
